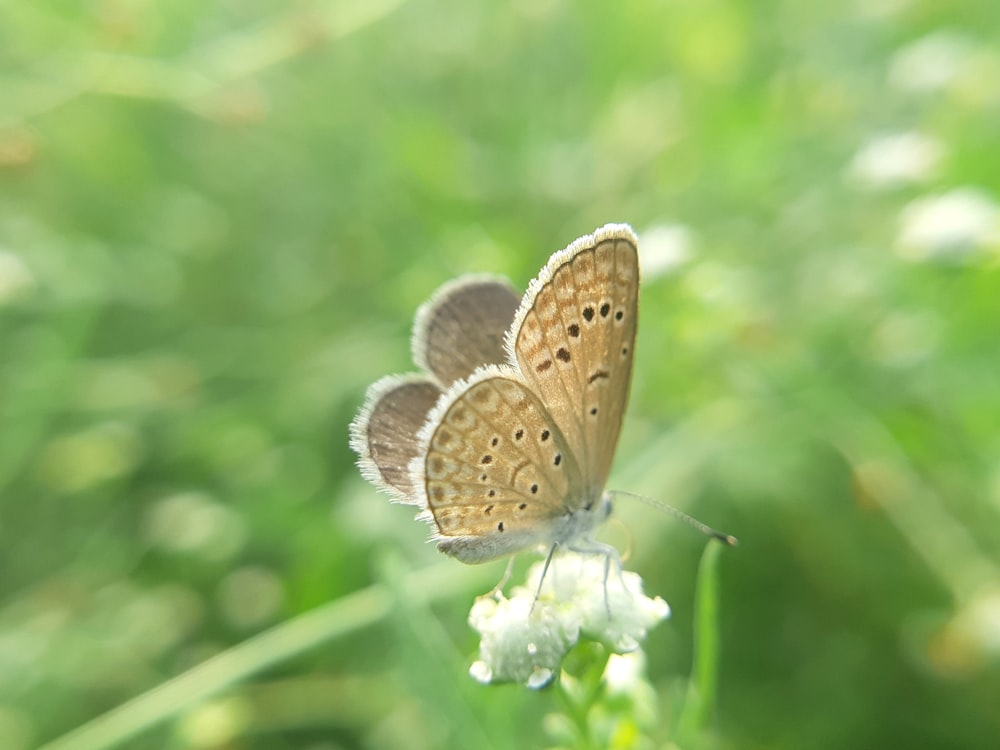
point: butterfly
(505, 439)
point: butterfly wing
(462, 327)
(459, 329)
(573, 340)
(497, 470)
(384, 432)
(508, 454)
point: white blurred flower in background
(894, 160)
(662, 248)
(950, 226)
(931, 63)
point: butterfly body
(507, 441)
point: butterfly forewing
(573, 341)
(462, 327)
(497, 466)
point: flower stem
(581, 688)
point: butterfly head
(601, 509)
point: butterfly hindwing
(459, 329)
(383, 434)
(496, 467)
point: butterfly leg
(503, 579)
(541, 578)
(610, 555)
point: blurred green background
(217, 221)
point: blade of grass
(282, 642)
(700, 700)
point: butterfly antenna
(679, 514)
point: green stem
(580, 695)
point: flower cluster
(524, 639)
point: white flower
(664, 247)
(896, 159)
(951, 226)
(624, 672)
(524, 640)
(931, 63)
